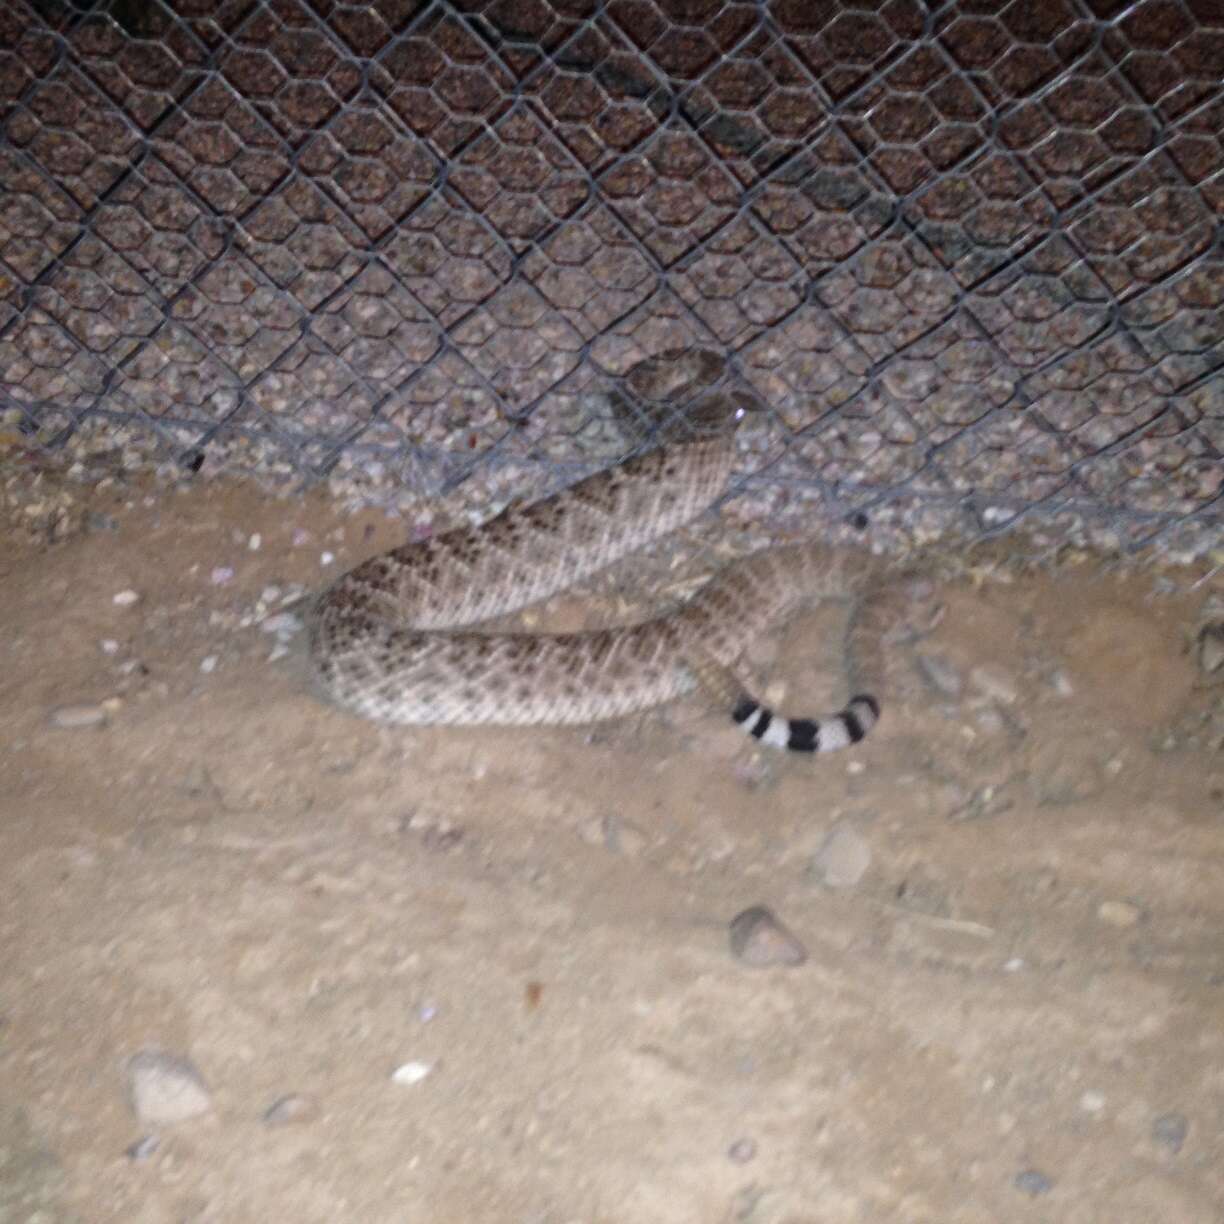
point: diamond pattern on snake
(398, 638)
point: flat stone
(843, 859)
(76, 717)
(1119, 913)
(1033, 1182)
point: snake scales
(393, 639)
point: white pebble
(1092, 1102)
(326, 558)
(255, 542)
(124, 599)
(270, 594)
(221, 574)
(109, 646)
(208, 664)
(1014, 965)
(74, 717)
(411, 1073)
(300, 537)
(165, 1087)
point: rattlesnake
(391, 639)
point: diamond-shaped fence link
(969, 257)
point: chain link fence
(969, 257)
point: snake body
(397, 639)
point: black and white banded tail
(808, 734)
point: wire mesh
(969, 256)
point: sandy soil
(1012, 1007)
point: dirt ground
(1011, 897)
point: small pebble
(621, 836)
(165, 1087)
(843, 859)
(283, 624)
(109, 646)
(143, 1148)
(1210, 648)
(1170, 1130)
(208, 664)
(759, 939)
(742, 1151)
(994, 682)
(221, 575)
(255, 542)
(411, 1073)
(289, 1109)
(300, 537)
(1092, 1102)
(326, 558)
(124, 599)
(74, 717)
(1062, 684)
(1119, 913)
(1033, 1182)
(941, 675)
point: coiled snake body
(393, 639)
